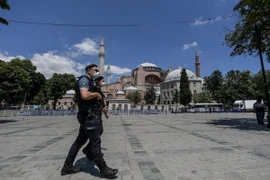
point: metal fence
(5, 113)
(10, 113)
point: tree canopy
(242, 39)
(21, 83)
(134, 97)
(185, 93)
(235, 85)
(150, 96)
(59, 84)
(5, 6)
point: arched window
(110, 96)
(126, 107)
(152, 79)
(113, 107)
(120, 107)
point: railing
(11, 113)
(5, 113)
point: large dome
(147, 64)
(176, 75)
(70, 92)
(131, 88)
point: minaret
(101, 57)
(197, 64)
(108, 74)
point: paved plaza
(223, 146)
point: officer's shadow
(88, 166)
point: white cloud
(117, 70)
(50, 63)
(187, 46)
(55, 62)
(87, 47)
(5, 56)
(200, 21)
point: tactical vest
(85, 105)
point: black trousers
(88, 147)
(90, 128)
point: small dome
(147, 64)
(70, 92)
(176, 75)
(131, 88)
(120, 93)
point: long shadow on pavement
(2, 121)
(247, 124)
(88, 166)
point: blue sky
(67, 49)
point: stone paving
(173, 147)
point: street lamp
(258, 39)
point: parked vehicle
(243, 105)
(206, 107)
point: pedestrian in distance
(259, 109)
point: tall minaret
(101, 57)
(197, 64)
(108, 74)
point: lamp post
(258, 39)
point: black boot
(106, 172)
(69, 169)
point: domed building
(142, 78)
(172, 82)
(145, 76)
(65, 103)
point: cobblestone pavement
(175, 147)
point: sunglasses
(96, 70)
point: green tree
(258, 83)
(185, 93)
(59, 84)
(134, 97)
(242, 39)
(37, 80)
(37, 85)
(42, 97)
(4, 5)
(214, 84)
(176, 96)
(237, 86)
(150, 96)
(203, 97)
(13, 81)
(20, 81)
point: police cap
(99, 78)
(90, 66)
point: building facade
(66, 103)
(172, 83)
(141, 79)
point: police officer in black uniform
(90, 124)
(99, 82)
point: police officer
(99, 82)
(90, 124)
